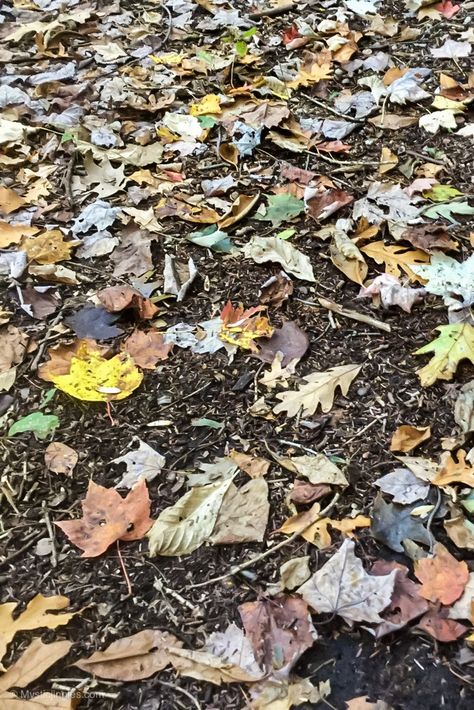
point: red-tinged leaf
(406, 603)
(236, 316)
(333, 147)
(443, 577)
(107, 517)
(436, 623)
(447, 8)
(290, 34)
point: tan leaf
(33, 662)
(243, 515)
(406, 437)
(348, 525)
(203, 665)
(453, 471)
(255, 466)
(13, 343)
(133, 657)
(346, 256)
(362, 703)
(37, 615)
(392, 121)
(318, 468)
(229, 153)
(54, 272)
(238, 210)
(60, 458)
(396, 258)
(319, 389)
(10, 200)
(278, 375)
(388, 161)
(49, 247)
(147, 348)
(294, 572)
(14, 233)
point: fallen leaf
(388, 291)
(33, 662)
(10, 200)
(451, 50)
(406, 603)
(243, 515)
(319, 388)
(362, 703)
(388, 160)
(241, 327)
(280, 630)
(185, 526)
(37, 615)
(42, 425)
(255, 466)
(321, 202)
(463, 608)
(132, 658)
(289, 340)
(38, 301)
(346, 256)
(392, 121)
(310, 526)
(14, 233)
(460, 530)
(303, 492)
(294, 572)
(107, 517)
(407, 437)
(13, 344)
(48, 248)
(276, 290)
(342, 586)
(455, 343)
(93, 378)
(437, 624)
(317, 468)
(464, 408)
(278, 375)
(443, 577)
(452, 471)
(446, 276)
(262, 249)
(392, 524)
(178, 276)
(282, 208)
(60, 458)
(94, 322)
(347, 525)
(238, 210)
(116, 299)
(147, 347)
(143, 463)
(403, 485)
(396, 258)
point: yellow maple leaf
(209, 104)
(93, 378)
(315, 67)
(48, 248)
(455, 343)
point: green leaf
(47, 397)
(447, 210)
(468, 502)
(42, 425)
(206, 121)
(454, 343)
(241, 48)
(281, 208)
(212, 238)
(249, 33)
(67, 136)
(211, 423)
(442, 193)
(286, 233)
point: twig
(180, 690)
(270, 551)
(124, 569)
(23, 549)
(428, 158)
(42, 343)
(272, 11)
(431, 516)
(68, 179)
(191, 394)
(332, 110)
(364, 429)
(354, 315)
(49, 527)
(170, 24)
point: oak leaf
(36, 615)
(319, 389)
(343, 587)
(396, 258)
(443, 577)
(453, 471)
(455, 343)
(107, 517)
(34, 661)
(406, 437)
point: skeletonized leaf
(186, 525)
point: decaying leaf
(276, 290)
(143, 463)
(407, 437)
(262, 249)
(392, 524)
(107, 517)
(443, 577)
(255, 466)
(454, 344)
(464, 608)
(37, 615)
(280, 630)
(388, 291)
(437, 624)
(319, 389)
(60, 458)
(116, 299)
(185, 526)
(147, 347)
(403, 485)
(289, 340)
(33, 662)
(346, 256)
(343, 587)
(241, 327)
(243, 515)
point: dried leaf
(437, 625)
(403, 485)
(34, 661)
(463, 608)
(276, 290)
(255, 466)
(60, 458)
(443, 577)
(48, 248)
(143, 463)
(429, 237)
(392, 524)
(243, 515)
(407, 437)
(107, 517)
(241, 327)
(262, 249)
(94, 322)
(455, 343)
(320, 388)
(185, 526)
(238, 210)
(178, 277)
(406, 603)
(147, 347)
(289, 340)
(119, 298)
(13, 344)
(453, 471)
(322, 202)
(396, 258)
(316, 468)
(346, 256)
(343, 587)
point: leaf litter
(211, 155)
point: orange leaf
(147, 347)
(407, 437)
(60, 357)
(443, 577)
(107, 517)
(238, 328)
(119, 298)
(455, 471)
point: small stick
(42, 344)
(49, 527)
(332, 110)
(272, 11)
(180, 690)
(68, 179)
(364, 429)
(354, 315)
(270, 551)
(428, 158)
(431, 518)
(23, 549)
(124, 570)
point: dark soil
(408, 670)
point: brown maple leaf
(107, 517)
(443, 577)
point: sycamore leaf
(186, 525)
(396, 258)
(107, 517)
(343, 587)
(262, 249)
(42, 425)
(281, 208)
(37, 615)
(442, 576)
(319, 389)
(455, 343)
(93, 378)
